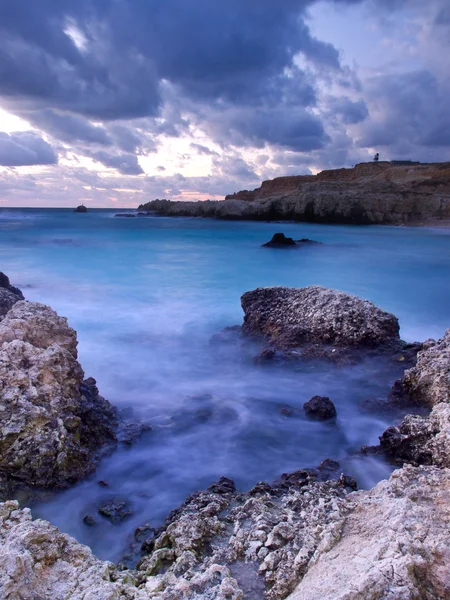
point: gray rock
(291, 317)
(279, 240)
(9, 295)
(116, 511)
(52, 423)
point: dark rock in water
(279, 240)
(320, 407)
(81, 209)
(266, 355)
(126, 215)
(9, 295)
(144, 532)
(307, 241)
(409, 441)
(102, 483)
(89, 520)
(116, 511)
(293, 317)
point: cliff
(370, 193)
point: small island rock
(279, 240)
(81, 209)
(320, 407)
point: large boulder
(9, 295)
(52, 422)
(289, 317)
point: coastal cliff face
(370, 193)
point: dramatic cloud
(127, 164)
(25, 149)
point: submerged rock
(116, 511)
(320, 407)
(291, 317)
(52, 422)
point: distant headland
(379, 192)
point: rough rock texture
(301, 540)
(395, 543)
(51, 421)
(290, 317)
(370, 193)
(428, 382)
(424, 440)
(9, 295)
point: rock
(53, 424)
(394, 544)
(307, 241)
(367, 194)
(116, 511)
(9, 295)
(279, 240)
(428, 382)
(126, 215)
(290, 317)
(320, 407)
(81, 209)
(89, 520)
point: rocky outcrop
(279, 240)
(9, 295)
(370, 193)
(394, 543)
(52, 421)
(81, 209)
(291, 317)
(301, 539)
(424, 440)
(320, 407)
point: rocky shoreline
(368, 194)
(307, 536)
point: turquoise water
(147, 294)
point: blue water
(147, 294)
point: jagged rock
(52, 422)
(320, 407)
(5, 283)
(428, 382)
(394, 543)
(290, 317)
(279, 240)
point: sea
(148, 296)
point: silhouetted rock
(81, 209)
(279, 240)
(320, 407)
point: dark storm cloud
(127, 164)
(411, 108)
(105, 59)
(350, 111)
(69, 128)
(25, 149)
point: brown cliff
(369, 193)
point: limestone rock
(428, 382)
(290, 317)
(52, 422)
(395, 543)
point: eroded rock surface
(290, 317)
(394, 544)
(52, 422)
(424, 440)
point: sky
(112, 103)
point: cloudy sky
(116, 102)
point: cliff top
(436, 173)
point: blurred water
(145, 296)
